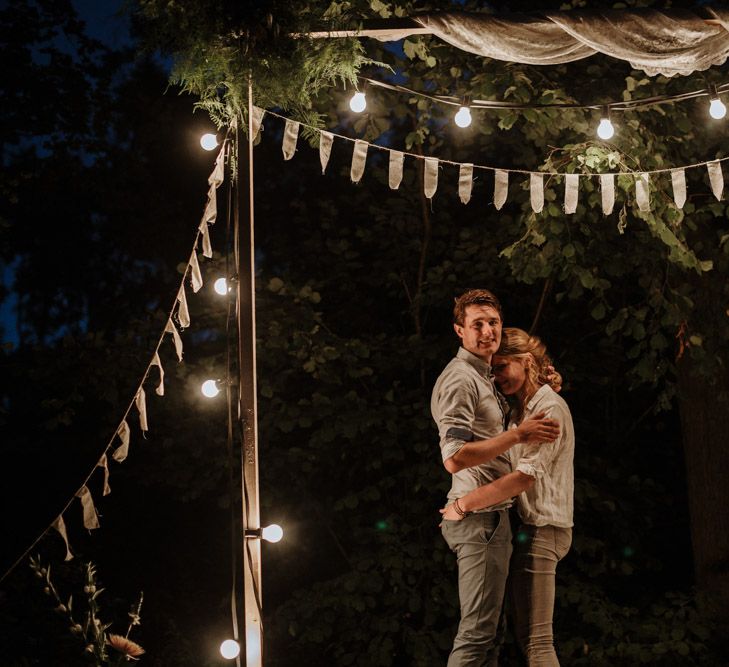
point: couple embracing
(496, 451)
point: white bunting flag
(465, 182)
(291, 135)
(170, 328)
(60, 525)
(122, 451)
(430, 178)
(643, 192)
(716, 178)
(607, 188)
(678, 180)
(195, 275)
(571, 186)
(257, 117)
(91, 519)
(207, 248)
(395, 169)
(140, 401)
(104, 463)
(183, 312)
(536, 189)
(160, 390)
(501, 188)
(326, 139)
(218, 173)
(210, 214)
(359, 156)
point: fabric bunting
(536, 190)
(140, 401)
(60, 525)
(607, 187)
(716, 178)
(170, 328)
(465, 182)
(359, 156)
(160, 390)
(195, 275)
(571, 186)
(104, 463)
(642, 192)
(430, 177)
(395, 169)
(183, 312)
(120, 453)
(210, 214)
(257, 118)
(501, 188)
(91, 519)
(207, 248)
(218, 174)
(326, 139)
(678, 180)
(291, 135)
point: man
(470, 415)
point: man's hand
(538, 429)
(451, 514)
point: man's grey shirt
(466, 407)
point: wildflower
(61, 609)
(90, 589)
(76, 629)
(126, 646)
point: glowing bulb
(230, 649)
(209, 141)
(210, 389)
(221, 286)
(358, 103)
(272, 533)
(717, 109)
(605, 129)
(463, 117)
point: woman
(542, 477)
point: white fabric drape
(394, 175)
(465, 182)
(536, 191)
(501, 188)
(716, 178)
(359, 157)
(571, 185)
(607, 192)
(60, 525)
(326, 139)
(678, 180)
(430, 177)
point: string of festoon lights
(605, 128)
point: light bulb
(358, 103)
(463, 117)
(210, 389)
(230, 649)
(717, 108)
(221, 286)
(209, 141)
(272, 533)
(605, 129)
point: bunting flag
(465, 182)
(501, 188)
(120, 453)
(607, 191)
(170, 328)
(207, 248)
(104, 463)
(160, 390)
(642, 192)
(291, 135)
(91, 519)
(257, 118)
(430, 177)
(359, 156)
(395, 169)
(183, 312)
(140, 401)
(60, 525)
(210, 214)
(716, 178)
(195, 275)
(536, 190)
(678, 181)
(326, 139)
(218, 174)
(571, 184)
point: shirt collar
(479, 364)
(544, 389)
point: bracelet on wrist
(459, 510)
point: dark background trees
(104, 190)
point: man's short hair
(474, 297)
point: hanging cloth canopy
(668, 42)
